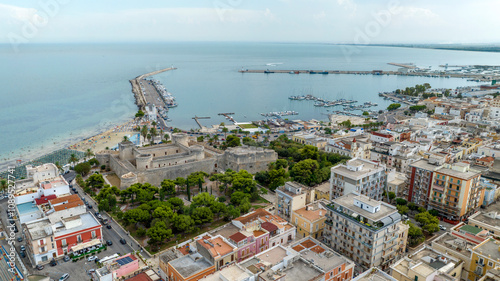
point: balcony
(438, 188)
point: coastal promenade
(140, 99)
(479, 77)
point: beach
(107, 139)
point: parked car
(64, 277)
(22, 254)
(92, 258)
(108, 226)
(76, 191)
(89, 206)
(19, 239)
(109, 242)
(39, 266)
(66, 258)
(442, 227)
(123, 241)
(23, 248)
(53, 263)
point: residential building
(420, 177)
(485, 256)
(368, 231)
(250, 242)
(396, 182)
(455, 247)
(275, 261)
(427, 264)
(310, 220)
(292, 196)
(233, 272)
(310, 139)
(485, 161)
(280, 230)
(382, 136)
(455, 191)
(491, 275)
(217, 250)
(488, 221)
(119, 268)
(358, 175)
(189, 267)
(322, 191)
(373, 274)
(352, 147)
(332, 265)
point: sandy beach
(107, 139)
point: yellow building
(485, 256)
(310, 220)
(310, 139)
(322, 191)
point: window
(63, 242)
(79, 238)
(490, 264)
(296, 221)
(93, 234)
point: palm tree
(72, 159)
(257, 135)
(88, 153)
(166, 137)
(225, 130)
(125, 139)
(153, 133)
(59, 167)
(3, 185)
(149, 137)
(144, 132)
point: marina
(280, 113)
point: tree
(434, 212)
(421, 209)
(431, 228)
(134, 216)
(182, 223)
(200, 139)
(425, 218)
(304, 171)
(203, 200)
(365, 113)
(328, 131)
(180, 182)
(3, 185)
(176, 203)
(415, 234)
(93, 162)
(88, 153)
(139, 114)
(82, 168)
(232, 141)
(245, 206)
(401, 201)
(392, 195)
(202, 215)
(144, 132)
(166, 137)
(95, 181)
(393, 106)
(103, 205)
(412, 206)
(73, 159)
(225, 130)
(277, 178)
(188, 191)
(168, 186)
(231, 213)
(163, 212)
(153, 134)
(238, 197)
(158, 233)
(402, 209)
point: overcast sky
(332, 21)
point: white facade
(494, 112)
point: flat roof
(87, 221)
(37, 229)
(373, 274)
(461, 175)
(322, 256)
(489, 248)
(369, 167)
(471, 229)
(424, 164)
(299, 271)
(27, 208)
(273, 256)
(312, 212)
(190, 264)
(347, 201)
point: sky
(319, 21)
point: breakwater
(140, 99)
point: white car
(92, 258)
(65, 276)
(442, 227)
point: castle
(179, 159)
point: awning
(81, 246)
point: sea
(54, 95)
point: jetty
(443, 74)
(140, 99)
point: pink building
(114, 269)
(250, 243)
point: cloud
(14, 15)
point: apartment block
(310, 220)
(485, 257)
(368, 231)
(292, 196)
(456, 191)
(420, 177)
(358, 175)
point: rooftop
(312, 212)
(190, 264)
(45, 199)
(39, 229)
(230, 273)
(273, 256)
(462, 175)
(54, 183)
(299, 270)
(426, 262)
(216, 246)
(27, 208)
(471, 229)
(424, 164)
(347, 201)
(85, 221)
(374, 274)
(320, 255)
(489, 248)
(454, 243)
(65, 199)
(491, 218)
(270, 227)
(237, 237)
(365, 167)
(252, 216)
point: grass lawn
(247, 126)
(261, 200)
(258, 207)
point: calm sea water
(53, 95)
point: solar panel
(124, 260)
